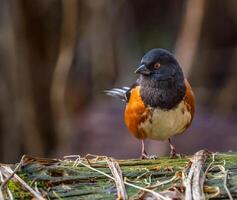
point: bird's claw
(173, 154)
(148, 157)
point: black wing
(121, 93)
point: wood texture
(91, 178)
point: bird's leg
(173, 153)
(144, 155)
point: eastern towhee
(161, 102)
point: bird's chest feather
(161, 124)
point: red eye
(157, 65)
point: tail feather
(119, 93)
(126, 88)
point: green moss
(17, 191)
(65, 181)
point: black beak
(142, 70)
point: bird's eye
(157, 65)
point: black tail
(120, 93)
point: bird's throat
(164, 95)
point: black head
(161, 79)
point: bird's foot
(173, 154)
(144, 156)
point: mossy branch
(202, 176)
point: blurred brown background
(56, 58)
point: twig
(56, 195)
(206, 171)
(163, 182)
(143, 174)
(13, 172)
(157, 195)
(22, 182)
(1, 192)
(4, 182)
(225, 173)
(8, 190)
(198, 177)
(10, 194)
(211, 163)
(225, 185)
(194, 182)
(187, 184)
(117, 173)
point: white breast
(162, 124)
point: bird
(161, 103)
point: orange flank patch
(189, 99)
(136, 113)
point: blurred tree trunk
(10, 133)
(187, 41)
(227, 100)
(228, 95)
(58, 91)
(29, 41)
(39, 33)
(26, 108)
